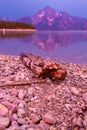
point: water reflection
(61, 46)
(15, 34)
(49, 41)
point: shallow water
(64, 46)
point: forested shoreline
(15, 25)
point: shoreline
(41, 105)
(18, 30)
(63, 62)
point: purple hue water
(66, 46)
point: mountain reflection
(48, 41)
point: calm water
(60, 46)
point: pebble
(4, 121)
(11, 107)
(31, 91)
(48, 119)
(21, 112)
(78, 121)
(21, 94)
(3, 110)
(21, 121)
(50, 106)
(75, 91)
(30, 129)
(35, 118)
(43, 126)
(2, 127)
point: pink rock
(4, 121)
(14, 92)
(35, 118)
(48, 119)
(21, 94)
(21, 121)
(2, 127)
(11, 107)
(3, 110)
(31, 91)
(43, 126)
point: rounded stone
(21, 121)
(4, 121)
(48, 119)
(3, 110)
(21, 112)
(21, 94)
(75, 91)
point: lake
(63, 46)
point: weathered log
(43, 67)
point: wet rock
(48, 119)
(4, 121)
(3, 110)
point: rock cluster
(42, 106)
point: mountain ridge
(51, 19)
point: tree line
(15, 25)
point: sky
(14, 9)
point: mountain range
(50, 19)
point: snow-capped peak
(41, 14)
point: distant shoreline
(17, 30)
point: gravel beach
(41, 104)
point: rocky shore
(41, 104)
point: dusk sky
(13, 9)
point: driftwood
(22, 83)
(43, 68)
